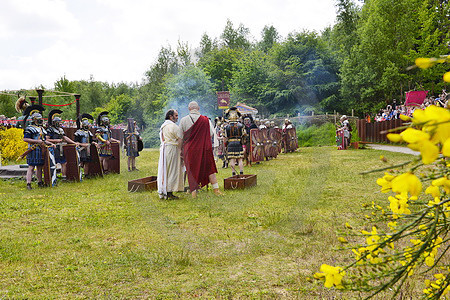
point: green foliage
(7, 105)
(219, 65)
(323, 135)
(235, 38)
(191, 84)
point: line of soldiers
(49, 145)
(240, 138)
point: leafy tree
(304, 73)
(118, 108)
(270, 37)
(191, 84)
(236, 38)
(219, 65)
(206, 45)
(251, 79)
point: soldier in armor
(221, 151)
(56, 135)
(234, 132)
(104, 138)
(132, 139)
(34, 135)
(249, 125)
(84, 138)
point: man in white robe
(170, 173)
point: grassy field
(95, 240)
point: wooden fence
(376, 132)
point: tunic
(56, 134)
(131, 143)
(170, 173)
(103, 135)
(84, 136)
(34, 158)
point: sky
(118, 40)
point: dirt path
(405, 150)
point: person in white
(346, 128)
(170, 172)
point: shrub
(12, 144)
(323, 135)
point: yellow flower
(419, 140)
(385, 182)
(399, 205)
(342, 240)
(447, 77)
(407, 183)
(394, 137)
(444, 182)
(405, 118)
(392, 225)
(333, 275)
(446, 148)
(347, 225)
(433, 191)
(425, 63)
(434, 121)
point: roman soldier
(104, 138)
(133, 144)
(249, 125)
(84, 138)
(34, 135)
(234, 132)
(221, 151)
(56, 135)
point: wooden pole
(40, 93)
(33, 100)
(77, 99)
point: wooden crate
(239, 182)
(143, 184)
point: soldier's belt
(234, 140)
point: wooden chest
(239, 182)
(143, 184)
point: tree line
(358, 63)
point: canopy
(415, 98)
(245, 109)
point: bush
(12, 144)
(323, 135)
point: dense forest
(358, 63)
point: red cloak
(198, 154)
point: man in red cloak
(197, 150)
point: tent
(415, 98)
(246, 110)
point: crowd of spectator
(394, 110)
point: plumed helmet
(34, 112)
(102, 118)
(54, 116)
(233, 114)
(21, 104)
(83, 119)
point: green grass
(95, 240)
(323, 135)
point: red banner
(415, 98)
(223, 100)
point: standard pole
(77, 99)
(40, 93)
(33, 100)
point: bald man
(197, 150)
